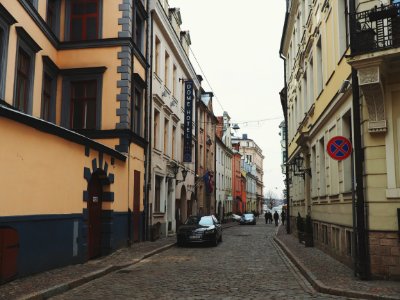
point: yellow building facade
(72, 128)
(321, 58)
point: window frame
(138, 87)
(51, 70)
(26, 44)
(6, 20)
(68, 22)
(76, 75)
(57, 10)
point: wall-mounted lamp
(298, 167)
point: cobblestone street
(246, 265)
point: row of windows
(81, 94)
(320, 62)
(83, 20)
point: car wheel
(215, 242)
(180, 243)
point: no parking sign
(339, 148)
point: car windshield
(203, 221)
(206, 221)
(248, 216)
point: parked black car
(248, 219)
(205, 229)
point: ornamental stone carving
(370, 82)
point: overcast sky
(237, 46)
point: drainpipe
(362, 256)
(284, 107)
(148, 131)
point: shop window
(84, 20)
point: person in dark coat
(266, 217)
(283, 217)
(270, 217)
(276, 218)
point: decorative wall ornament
(370, 82)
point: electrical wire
(205, 77)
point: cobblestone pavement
(337, 278)
(246, 265)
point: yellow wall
(44, 173)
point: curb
(62, 288)
(321, 287)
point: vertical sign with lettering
(187, 137)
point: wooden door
(94, 218)
(9, 246)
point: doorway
(94, 216)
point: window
(53, 15)
(310, 82)
(139, 29)
(156, 128)
(157, 57)
(46, 97)
(166, 70)
(83, 104)
(6, 20)
(343, 26)
(84, 20)
(346, 164)
(137, 112)
(325, 235)
(320, 81)
(336, 238)
(166, 136)
(82, 98)
(157, 196)
(349, 243)
(173, 155)
(23, 81)
(49, 89)
(24, 71)
(322, 168)
(174, 81)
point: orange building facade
(73, 140)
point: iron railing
(376, 29)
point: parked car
(248, 219)
(236, 217)
(205, 229)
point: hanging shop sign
(339, 148)
(187, 138)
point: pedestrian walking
(283, 217)
(266, 217)
(276, 218)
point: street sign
(339, 148)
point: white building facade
(171, 195)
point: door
(136, 206)
(94, 218)
(9, 246)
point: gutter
(362, 253)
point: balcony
(377, 29)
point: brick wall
(385, 254)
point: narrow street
(246, 265)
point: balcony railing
(377, 29)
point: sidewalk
(53, 282)
(329, 276)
